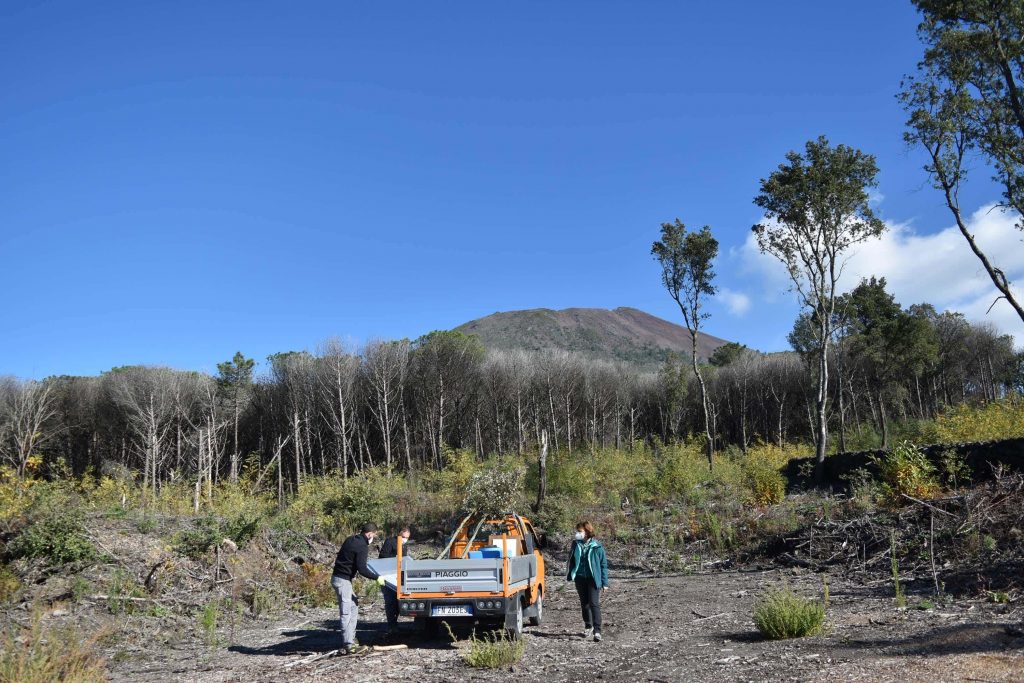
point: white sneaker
(597, 637)
(587, 632)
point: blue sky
(182, 180)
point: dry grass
(36, 654)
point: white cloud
(738, 303)
(937, 268)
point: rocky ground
(670, 628)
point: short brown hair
(586, 527)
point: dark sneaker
(597, 637)
(356, 649)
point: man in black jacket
(351, 561)
(390, 549)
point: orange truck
(491, 572)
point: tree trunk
(542, 466)
(709, 446)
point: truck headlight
(422, 606)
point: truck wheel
(539, 616)
(514, 621)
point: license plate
(451, 611)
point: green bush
(196, 542)
(54, 532)
(766, 484)
(120, 591)
(494, 650)
(781, 614)
(906, 470)
(209, 531)
(557, 514)
(995, 420)
(206, 620)
(333, 507)
(9, 584)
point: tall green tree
(816, 209)
(727, 354)
(686, 272)
(234, 383)
(966, 101)
(891, 344)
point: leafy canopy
(816, 207)
(686, 267)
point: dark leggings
(590, 601)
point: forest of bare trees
(400, 404)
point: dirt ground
(671, 628)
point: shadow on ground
(956, 639)
(325, 636)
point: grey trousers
(348, 610)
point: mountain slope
(624, 334)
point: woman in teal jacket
(588, 569)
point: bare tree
(385, 365)
(26, 409)
(147, 398)
(338, 370)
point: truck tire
(514, 621)
(539, 609)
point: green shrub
(558, 513)
(996, 420)
(146, 524)
(196, 542)
(10, 584)
(54, 532)
(333, 507)
(312, 585)
(906, 470)
(766, 484)
(206, 620)
(493, 650)
(781, 614)
(120, 591)
(955, 470)
(209, 531)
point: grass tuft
(781, 614)
(493, 650)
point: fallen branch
(928, 505)
(701, 617)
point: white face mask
(580, 535)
